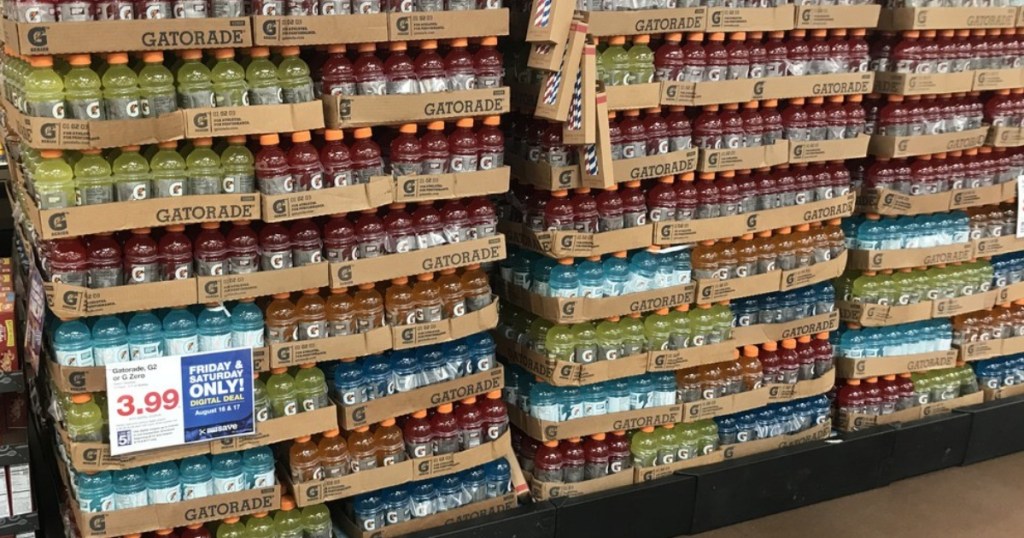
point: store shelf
(12, 382)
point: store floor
(977, 500)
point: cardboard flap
(652, 166)
(997, 79)
(577, 309)
(557, 88)
(282, 31)
(543, 430)
(677, 359)
(329, 349)
(890, 202)
(1005, 137)
(543, 491)
(450, 256)
(67, 301)
(234, 287)
(282, 207)
(943, 18)
(757, 89)
(909, 146)
(581, 126)
(811, 17)
(549, 21)
(447, 24)
(646, 474)
(726, 405)
(1004, 392)
(248, 120)
(857, 421)
(135, 35)
(51, 133)
(566, 244)
(345, 111)
(542, 175)
(652, 21)
(424, 334)
(878, 366)
(778, 393)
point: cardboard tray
(655, 166)
(909, 146)
(453, 185)
(425, 334)
(571, 244)
(577, 309)
(543, 430)
(67, 301)
(97, 457)
(757, 89)
(249, 120)
(943, 18)
(633, 96)
(810, 326)
(779, 393)
(88, 379)
(693, 231)
(329, 349)
(848, 368)
(468, 512)
(351, 417)
(726, 405)
(283, 31)
(876, 260)
(721, 160)
(448, 24)
(812, 17)
(851, 422)
(877, 315)
(987, 349)
(1005, 392)
(750, 19)
(215, 289)
(283, 207)
(404, 472)
(924, 83)
(890, 202)
(345, 111)
(545, 491)
(649, 21)
(709, 291)
(829, 150)
(544, 176)
(1005, 137)
(52, 133)
(450, 256)
(135, 35)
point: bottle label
(105, 277)
(403, 87)
(46, 109)
(618, 404)
(639, 400)
(547, 412)
(82, 357)
(74, 278)
(132, 190)
(54, 200)
(461, 81)
(214, 342)
(463, 163)
(196, 98)
(312, 330)
(154, 106)
(714, 73)
(632, 219)
(273, 261)
(137, 499)
(679, 143)
(372, 87)
(140, 273)
(277, 184)
(585, 354)
(796, 68)
(73, 11)
(429, 313)
(171, 494)
(266, 95)
(201, 184)
(471, 438)
(185, 345)
(340, 327)
(303, 257)
(196, 490)
(144, 350)
(178, 271)
(263, 480)
(209, 268)
(229, 484)
(97, 504)
(249, 338)
(85, 109)
(244, 264)
(91, 195)
(168, 188)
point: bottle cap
(853, 382)
(695, 36)
(469, 401)
(777, 34)
(211, 226)
(117, 58)
(872, 380)
(839, 32)
(425, 277)
(408, 128)
(194, 526)
(435, 126)
(750, 351)
(473, 267)
(617, 40)
(332, 433)
(642, 39)
(494, 395)
(429, 44)
(259, 52)
(287, 503)
(176, 228)
(551, 444)
(222, 54)
(51, 153)
(191, 54)
(889, 377)
(398, 46)
(770, 346)
(363, 429)
(140, 231)
(803, 227)
(805, 339)
(444, 408)
(301, 136)
(647, 429)
(79, 59)
(269, 140)
(464, 122)
(632, 113)
(81, 398)
(289, 51)
(422, 413)
(238, 139)
(336, 49)
(738, 36)
(735, 354)
(459, 42)
(231, 520)
(401, 281)
(332, 135)
(717, 36)
(303, 439)
(366, 286)
(675, 37)
(598, 437)
(388, 422)
(130, 148)
(204, 142)
(278, 370)
(363, 133)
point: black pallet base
(702, 499)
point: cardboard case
(650, 21)
(633, 96)
(450, 256)
(693, 231)
(856, 421)
(987, 349)
(709, 291)
(757, 89)
(923, 83)
(909, 146)
(543, 430)
(346, 111)
(653, 166)
(1005, 137)
(942, 18)
(726, 405)
(542, 175)
(571, 244)
(468, 512)
(1004, 392)
(67, 301)
(849, 368)
(283, 31)
(249, 120)
(425, 334)
(721, 160)
(810, 326)
(404, 472)
(52, 133)
(135, 35)
(829, 150)
(213, 289)
(877, 260)
(577, 309)
(354, 416)
(329, 349)
(750, 19)
(447, 24)
(544, 491)
(889, 202)
(760, 446)
(778, 393)
(282, 207)
(860, 16)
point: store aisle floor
(978, 500)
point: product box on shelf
(758, 89)
(1004, 392)
(544, 176)
(889, 202)
(282, 30)
(403, 472)
(877, 315)
(363, 414)
(543, 491)
(97, 456)
(877, 260)
(212, 289)
(447, 24)
(750, 19)
(943, 18)
(695, 230)
(654, 166)
(726, 405)
(710, 291)
(987, 349)
(53, 133)
(331, 348)
(543, 430)
(467, 512)
(295, 205)
(345, 111)
(647, 21)
(572, 244)
(857, 421)
(778, 393)
(850, 368)
(859, 16)
(423, 334)
(250, 120)
(453, 185)
(828, 150)
(909, 146)
(1005, 137)
(997, 79)
(722, 160)
(809, 326)
(68, 301)
(577, 309)
(450, 256)
(923, 83)
(135, 35)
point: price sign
(182, 399)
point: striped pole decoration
(590, 160)
(543, 15)
(576, 107)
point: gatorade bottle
(304, 163)
(573, 460)
(84, 420)
(163, 483)
(483, 218)
(389, 444)
(644, 447)
(304, 461)
(369, 309)
(130, 488)
(275, 248)
(53, 181)
(260, 526)
(95, 491)
(282, 325)
(406, 152)
(340, 318)
(214, 328)
(261, 78)
(547, 463)
(228, 79)
(311, 387)
(641, 61)
(205, 175)
(82, 90)
(363, 449)
(445, 428)
(93, 181)
(195, 86)
(426, 295)
(145, 338)
(281, 392)
(471, 423)
(261, 402)
(272, 172)
(429, 67)
(452, 296)
(296, 84)
(613, 65)
(105, 269)
(231, 527)
(316, 521)
(156, 86)
(488, 64)
(369, 512)
(196, 478)
(418, 435)
(369, 71)
(436, 153)
(335, 159)
(141, 258)
(180, 336)
(243, 249)
(399, 71)
(463, 146)
(44, 89)
(458, 66)
(130, 173)
(211, 253)
(68, 262)
(168, 171)
(476, 288)
(366, 157)
(337, 76)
